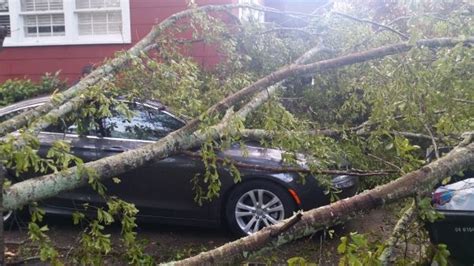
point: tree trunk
(417, 182)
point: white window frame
(71, 37)
(246, 14)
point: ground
(167, 243)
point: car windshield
(144, 123)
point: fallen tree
(186, 138)
(250, 98)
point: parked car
(162, 190)
(455, 202)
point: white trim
(71, 37)
(48, 12)
(96, 10)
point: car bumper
(456, 230)
(312, 195)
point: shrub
(16, 90)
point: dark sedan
(162, 190)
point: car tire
(12, 219)
(256, 204)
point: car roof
(26, 103)
(42, 100)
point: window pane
(115, 28)
(44, 30)
(58, 30)
(44, 25)
(3, 6)
(5, 22)
(100, 18)
(112, 3)
(146, 124)
(56, 5)
(81, 4)
(41, 5)
(58, 19)
(32, 30)
(100, 23)
(85, 29)
(114, 17)
(97, 3)
(4, 16)
(44, 20)
(86, 4)
(70, 125)
(100, 29)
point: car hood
(259, 155)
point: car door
(83, 146)
(161, 188)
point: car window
(67, 126)
(146, 123)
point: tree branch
(292, 169)
(403, 36)
(399, 228)
(257, 134)
(463, 101)
(386, 162)
(433, 141)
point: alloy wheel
(7, 215)
(258, 208)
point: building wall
(33, 62)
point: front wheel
(254, 205)
(7, 216)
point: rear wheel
(254, 205)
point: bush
(16, 90)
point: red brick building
(52, 35)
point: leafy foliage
(357, 250)
(17, 90)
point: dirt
(166, 243)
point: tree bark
(417, 182)
(258, 134)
